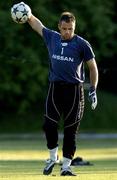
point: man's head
(66, 25)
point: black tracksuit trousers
(67, 101)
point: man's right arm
(36, 24)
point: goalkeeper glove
(93, 97)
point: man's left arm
(93, 70)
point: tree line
(23, 55)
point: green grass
(25, 159)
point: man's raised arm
(36, 24)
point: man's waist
(66, 83)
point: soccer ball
(20, 13)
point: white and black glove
(92, 97)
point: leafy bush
(24, 58)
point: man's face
(66, 29)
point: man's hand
(93, 97)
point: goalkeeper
(67, 53)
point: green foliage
(24, 59)
(104, 117)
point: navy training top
(67, 57)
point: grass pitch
(24, 159)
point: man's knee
(49, 125)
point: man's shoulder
(51, 31)
(81, 39)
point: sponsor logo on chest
(62, 58)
